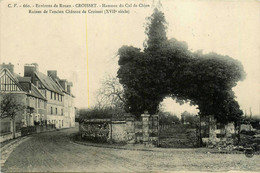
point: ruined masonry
(128, 131)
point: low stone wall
(8, 136)
(95, 129)
(218, 134)
(130, 130)
(37, 129)
(26, 131)
(118, 131)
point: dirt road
(54, 152)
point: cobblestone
(7, 149)
(53, 152)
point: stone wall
(6, 128)
(37, 129)
(96, 129)
(118, 131)
(129, 130)
(9, 136)
(219, 133)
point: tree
(167, 118)
(166, 67)
(190, 119)
(111, 94)
(11, 105)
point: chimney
(52, 73)
(29, 69)
(9, 66)
(69, 87)
(63, 83)
(36, 66)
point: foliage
(187, 118)
(178, 136)
(100, 113)
(167, 68)
(254, 121)
(166, 118)
(11, 105)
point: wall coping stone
(145, 115)
(118, 122)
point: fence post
(110, 137)
(145, 122)
(156, 123)
(12, 127)
(212, 130)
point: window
(51, 111)
(56, 111)
(45, 105)
(60, 98)
(54, 96)
(61, 111)
(51, 94)
(62, 123)
(39, 103)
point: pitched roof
(24, 79)
(13, 77)
(35, 92)
(16, 75)
(48, 83)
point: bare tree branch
(111, 94)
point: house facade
(48, 99)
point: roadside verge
(8, 148)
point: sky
(64, 42)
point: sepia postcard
(130, 86)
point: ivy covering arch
(167, 68)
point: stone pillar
(229, 130)
(145, 121)
(31, 119)
(24, 120)
(11, 125)
(130, 128)
(13, 128)
(212, 130)
(156, 129)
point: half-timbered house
(48, 99)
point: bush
(166, 118)
(250, 133)
(254, 121)
(100, 113)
